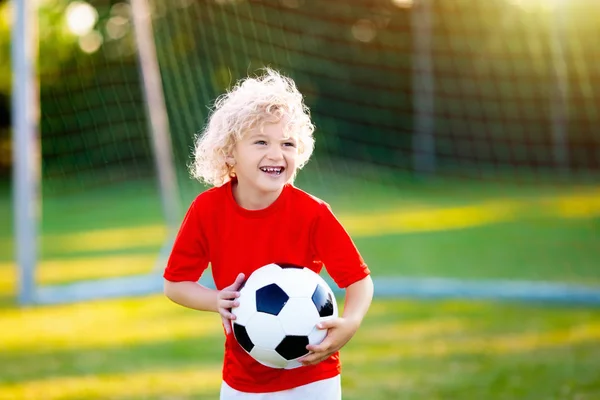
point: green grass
(450, 228)
(546, 249)
(152, 349)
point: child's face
(265, 160)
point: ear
(230, 161)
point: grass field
(149, 348)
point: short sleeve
(335, 248)
(188, 258)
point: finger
(307, 358)
(229, 304)
(328, 323)
(312, 359)
(236, 284)
(319, 348)
(227, 313)
(228, 294)
(226, 325)
(315, 348)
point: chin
(272, 187)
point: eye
(260, 142)
(289, 144)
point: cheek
(292, 158)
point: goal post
(26, 149)
(27, 165)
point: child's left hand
(340, 332)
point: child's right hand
(226, 300)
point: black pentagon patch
(241, 335)
(270, 299)
(323, 301)
(292, 347)
(284, 266)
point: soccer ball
(280, 306)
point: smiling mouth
(272, 170)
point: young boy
(258, 136)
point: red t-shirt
(296, 229)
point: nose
(275, 153)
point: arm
(358, 300)
(193, 295)
(347, 268)
(341, 330)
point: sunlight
(90, 42)
(169, 383)
(578, 206)
(81, 17)
(80, 268)
(468, 341)
(426, 220)
(537, 5)
(403, 3)
(364, 30)
(103, 324)
(585, 204)
(6, 13)
(106, 239)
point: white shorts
(326, 389)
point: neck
(252, 200)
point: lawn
(149, 348)
(450, 228)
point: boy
(258, 136)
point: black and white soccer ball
(280, 306)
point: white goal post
(27, 162)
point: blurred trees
(57, 46)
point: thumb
(239, 280)
(237, 283)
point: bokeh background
(455, 139)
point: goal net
(456, 140)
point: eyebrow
(263, 136)
(257, 135)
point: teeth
(272, 169)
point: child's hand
(340, 332)
(226, 300)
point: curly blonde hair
(251, 103)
